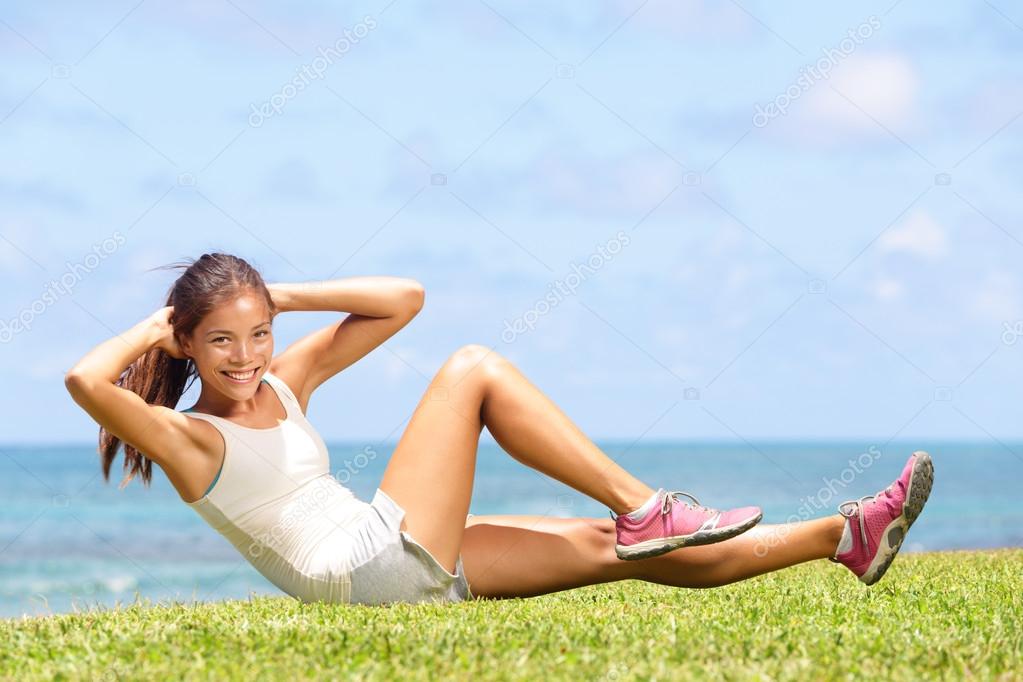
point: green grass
(948, 615)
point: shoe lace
(672, 497)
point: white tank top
(276, 501)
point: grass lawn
(946, 614)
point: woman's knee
(473, 360)
(597, 537)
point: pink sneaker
(879, 522)
(674, 523)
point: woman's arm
(378, 307)
(155, 430)
(108, 360)
(366, 296)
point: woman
(247, 460)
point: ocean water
(70, 541)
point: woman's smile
(240, 378)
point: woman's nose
(242, 352)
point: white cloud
(630, 184)
(51, 366)
(885, 86)
(918, 235)
(672, 335)
(701, 19)
(737, 278)
(887, 289)
(998, 298)
(17, 246)
(397, 365)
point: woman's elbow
(71, 378)
(415, 296)
(75, 384)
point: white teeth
(241, 376)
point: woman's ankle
(626, 502)
(835, 532)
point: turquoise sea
(70, 541)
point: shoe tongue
(888, 498)
(890, 491)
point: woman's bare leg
(430, 473)
(522, 556)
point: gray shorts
(403, 571)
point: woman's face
(232, 346)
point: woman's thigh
(430, 474)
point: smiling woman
(229, 348)
(216, 291)
(247, 460)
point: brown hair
(160, 379)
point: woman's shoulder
(188, 466)
(204, 432)
(280, 380)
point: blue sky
(846, 269)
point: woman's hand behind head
(162, 318)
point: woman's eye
(261, 331)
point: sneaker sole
(659, 546)
(920, 482)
